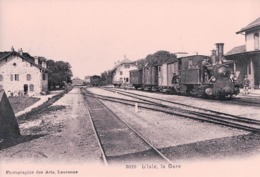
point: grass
(19, 103)
(44, 106)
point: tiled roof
(125, 61)
(24, 56)
(251, 25)
(237, 50)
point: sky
(93, 34)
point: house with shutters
(247, 56)
(22, 74)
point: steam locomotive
(196, 75)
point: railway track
(246, 101)
(117, 139)
(192, 112)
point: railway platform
(252, 92)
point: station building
(121, 72)
(22, 74)
(247, 56)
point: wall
(250, 43)
(22, 68)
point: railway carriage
(136, 78)
(92, 80)
(150, 77)
(95, 80)
(165, 74)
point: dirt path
(63, 133)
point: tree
(60, 72)
(106, 77)
(141, 63)
(160, 57)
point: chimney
(44, 64)
(220, 51)
(12, 49)
(36, 60)
(213, 56)
(20, 51)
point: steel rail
(103, 155)
(138, 134)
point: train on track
(196, 75)
(93, 80)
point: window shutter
(17, 77)
(11, 77)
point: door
(25, 89)
(160, 78)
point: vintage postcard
(129, 88)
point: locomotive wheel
(220, 97)
(201, 94)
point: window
(31, 87)
(14, 64)
(127, 66)
(11, 77)
(121, 72)
(126, 79)
(189, 63)
(28, 77)
(16, 77)
(256, 40)
(43, 77)
(1, 77)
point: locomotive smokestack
(220, 51)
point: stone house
(22, 74)
(121, 72)
(87, 79)
(247, 56)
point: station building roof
(251, 26)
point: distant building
(120, 72)
(22, 74)
(247, 56)
(77, 81)
(87, 79)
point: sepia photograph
(129, 88)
